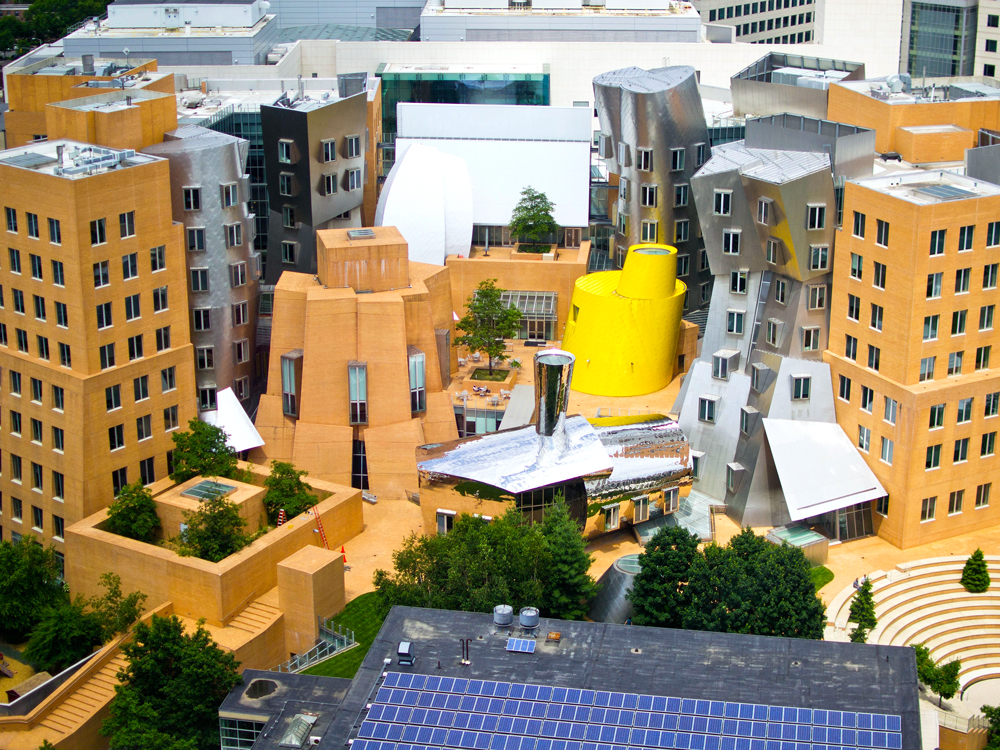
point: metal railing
(332, 640)
(92, 19)
(964, 724)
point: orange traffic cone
(343, 553)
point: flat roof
(679, 11)
(171, 34)
(772, 166)
(877, 88)
(926, 187)
(685, 664)
(79, 160)
(405, 68)
(106, 67)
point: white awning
(241, 435)
(819, 468)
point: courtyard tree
(29, 585)
(170, 689)
(863, 613)
(487, 322)
(214, 531)
(133, 514)
(286, 490)
(202, 450)
(992, 714)
(569, 586)
(975, 574)
(531, 220)
(657, 593)
(939, 678)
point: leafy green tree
(941, 679)
(116, 611)
(202, 450)
(29, 584)
(487, 322)
(532, 219)
(657, 593)
(568, 584)
(66, 634)
(214, 531)
(133, 514)
(975, 574)
(863, 613)
(170, 690)
(992, 714)
(285, 489)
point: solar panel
(521, 645)
(945, 192)
(29, 160)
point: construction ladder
(319, 523)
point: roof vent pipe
(302, 89)
(553, 377)
(88, 64)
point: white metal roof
(819, 468)
(241, 435)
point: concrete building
(939, 38)
(767, 21)
(209, 191)
(189, 32)
(353, 410)
(758, 404)
(781, 83)
(911, 361)
(987, 39)
(559, 20)
(97, 372)
(654, 138)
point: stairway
(89, 698)
(255, 618)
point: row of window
(723, 206)
(37, 518)
(98, 227)
(938, 239)
(352, 149)
(147, 473)
(196, 237)
(130, 266)
(772, 24)
(203, 316)
(956, 360)
(136, 347)
(644, 162)
(39, 306)
(200, 278)
(41, 344)
(192, 196)
(36, 265)
(956, 500)
(991, 407)
(37, 478)
(37, 430)
(58, 393)
(331, 182)
(746, 9)
(143, 428)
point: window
(990, 275)
(933, 459)
(882, 233)
(58, 275)
(817, 217)
(113, 397)
(353, 146)
(132, 307)
(936, 417)
(889, 413)
(36, 390)
(992, 404)
(763, 211)
(738, 282)
(240, 313)
(817, 297)
(877, 313)
(15, 423)
(955, 502)
(864, 438)
(819, 257)
(758, 374)
(170, 418)
(329, 184)
(135, 347)
(965, 238)
(354, 179)
(36, 266)
(288, 217)
(126, 224)
(955, 360)
(445, 521)
(116, 437)
(993, 234)
(882, 506)
(731, 241)
(879, 276)
(58, 482)
(986, 317)
(964, 411)
(11, 219)
(853, 308)
(285, 151)
(205, 357)
(130, 266)
(36, 517)
(199, 279)
(930, 326)
(192, 198)
(623, 189)
(958, 322)
(934, 285)
(874, 357)
(230, 195)
(780, 291)
(107, 354)
(734, 322)
(15, 469)
(15, 383)
(677, 159)
(241, 350)
(720, 367)
(851, 349)
(647, 195)
(162, 338)
(329, 151)
(683, 265)
(147, 472)
(989, 69)
(39, 303)
(961, 454)
(983, 495)
(158, 257)
(648, 231)
(859, 225)
(104, 316)
(801, 385)
(644, 160)
(989, 444)
(17, 509)
(43, 347)
(701, 153)
(857, 266)
(962, 277)
(102, 276)
(168, 381)
(98, 232)
(143, 427)
(845, 388)
(288, 252)
(58, 398)
(357, 376)
(418, 398)
(195, 241)
(202, 319)
(160, 299)
(706, 408)
(937, 242)
(206, 398)
(119, 478)
(887, 449)
(771, 333)
(140, 388)
(771, 253)
(983, 357)
(681, 228)
(867, 399)
(723, 202)
(234, 235)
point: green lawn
(363, 617)
(821, 576)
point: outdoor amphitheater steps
(924, 602)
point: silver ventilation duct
(553, 376)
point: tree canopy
(863, 613)
(202, 450)
(487, 322)
(29, 584)
(749, 586)
(170, 690)
(992, 714)
(939, 678)
(975, 574)
(531, 220)
(568, 586)
(214, 531)
(285, 489)
(45, 21)
(133, 514)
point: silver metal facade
(201, 158)
(851, 148)
(754, 92)
(660, 112)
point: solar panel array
(420, 712)
(521, 645)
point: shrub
(863, 613)
(214, 531)
(133, 514)
(202, 450)
(285, 489)
(975, 575)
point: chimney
(553, 376)
(302, 90)
(59, 154)
(88, 64)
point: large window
(289, 386)
(357, 376)
(418, 390)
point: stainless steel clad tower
(209, 192)
(654, 137)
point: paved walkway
(387, 524)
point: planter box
(494, 385)
(551, 255)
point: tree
(975, 574)
(115, 611)
(202, 450)
(285, 489)
(133, 514)
(487, 322)
(657, 593)
(214, 531)
(941, 679)
(992, 714)
(568, 585)
(863, 613)
(532, 217)
(171, 688)
(29, 584)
